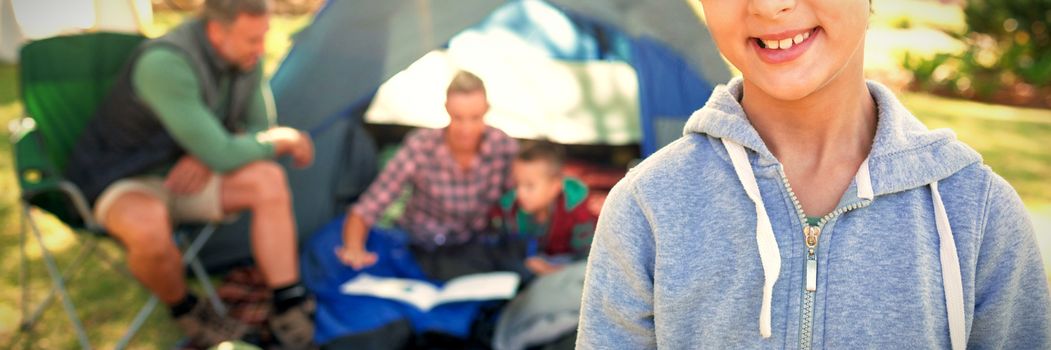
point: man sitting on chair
(185, 136)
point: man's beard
(247, 66)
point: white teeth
(785, 44)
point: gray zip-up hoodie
(702, 246)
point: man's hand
(189, 176)
(289, 141)
(540, 266)
(303, 153)
(357, 258)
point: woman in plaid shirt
(457, 173)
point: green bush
(1008, 43)
(923, 69)
(1019, 28)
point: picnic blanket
(341, 315)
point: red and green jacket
(568, 232)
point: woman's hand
(357, 258)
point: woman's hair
(465, 82)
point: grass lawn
(1013, 141)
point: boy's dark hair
(543, 150)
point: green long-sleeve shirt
(165, 81)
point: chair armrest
(20, 127)
(42, 184)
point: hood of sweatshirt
(904, 155)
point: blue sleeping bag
(341, 315)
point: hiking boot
(294, 328)
(206, 328)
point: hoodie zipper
(811, 235)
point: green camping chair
(63, 79)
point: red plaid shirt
(448, 203)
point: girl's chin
(785, 87)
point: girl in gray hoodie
(805, 207)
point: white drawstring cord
(951, 280)
(770, 255)
(764, 232)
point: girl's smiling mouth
(784, 47)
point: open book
(425, 295)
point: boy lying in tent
(550, 211)
(546, 209)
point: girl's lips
(776, 56)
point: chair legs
(66, 275)
(189, 257)
(57, 279)
(31, 313)
(137, 322)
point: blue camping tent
(330, 76)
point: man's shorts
(200, 207)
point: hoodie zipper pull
(811, 233)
